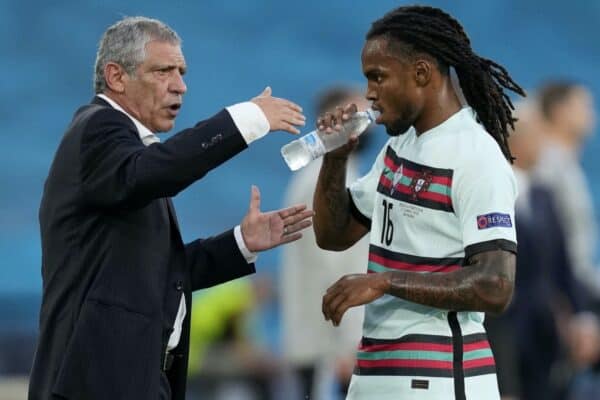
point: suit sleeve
(117, 170)
(216, 260)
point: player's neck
(441, 105)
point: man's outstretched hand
(282, 114)
(263, 231)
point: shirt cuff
(248, 255)
(250, 120)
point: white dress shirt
(253, 125)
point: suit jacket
(113, 262)
(543, 278)
(543, 268)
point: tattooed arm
(485, 284)
(335, 227)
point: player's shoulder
(474, 145)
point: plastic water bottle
(313, 145)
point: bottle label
(314, 145)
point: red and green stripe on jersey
(424, 355)
(415, 183)
(384, 260)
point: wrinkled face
(391, 87)
(155, 93)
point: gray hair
(125, 42)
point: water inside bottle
(300, 152)
(354, 126)
(295, 155)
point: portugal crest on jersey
(420, 183)
(414, 183)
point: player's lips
(377, 108)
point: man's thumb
(267, 92)
(254, 199)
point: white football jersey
(431, 201)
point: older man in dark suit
(117, 277)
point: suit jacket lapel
(172, 216)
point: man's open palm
(263, 231)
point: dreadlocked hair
(436, 33)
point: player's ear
(422, 72)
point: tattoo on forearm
(486, 285)
(333, 185)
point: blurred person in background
(117, 277)
(311, 346)
(567, 109)
(527, 339)
(227, 353)
(569, 118)
(584, 345)
(438, 205)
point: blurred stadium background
(233, 49)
